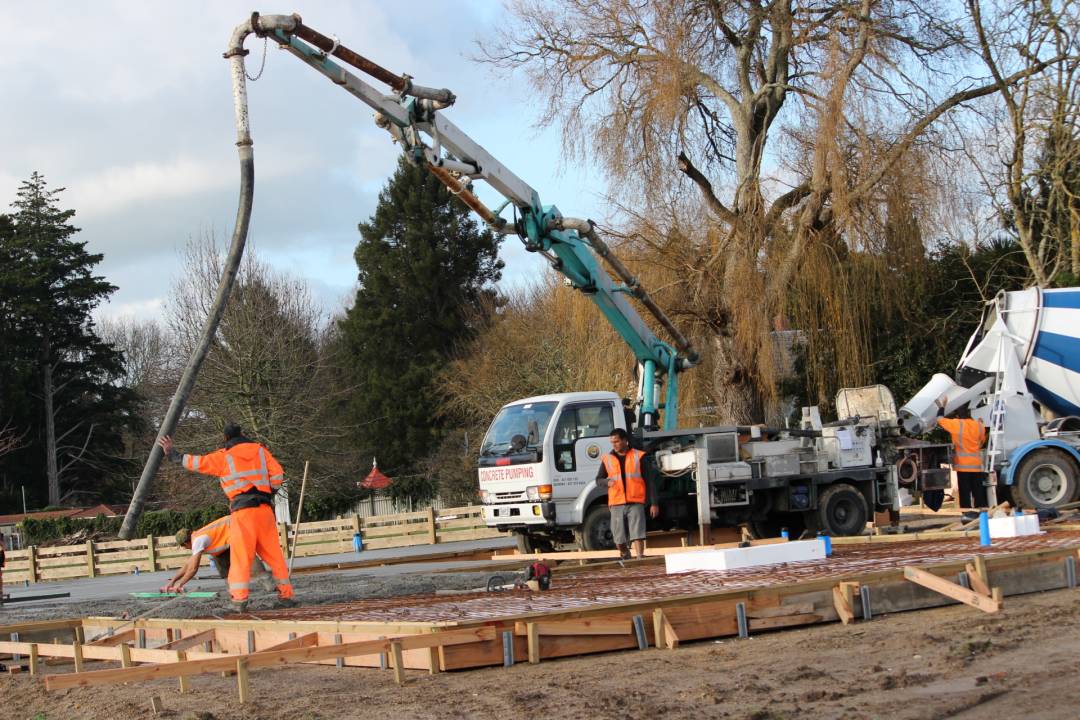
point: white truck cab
(539, 460)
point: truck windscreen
(517, 427)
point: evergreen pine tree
(54, 362)
(426, 270)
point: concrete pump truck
(540, 456)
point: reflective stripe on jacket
(629, 489)
(968, 437)
(242, 467)
(219, 536)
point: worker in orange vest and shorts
(623, 474)
(249, 475)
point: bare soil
(953, 662)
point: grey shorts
(630, 516)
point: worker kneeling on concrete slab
(249, 476)
(622, 473)
(211, 540)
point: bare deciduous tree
(1033, 129)
(268, 369)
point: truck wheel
(842, 510)
(528, 544)
(595, 531)
(1045, 478)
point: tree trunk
(50, 427)
(736, 399)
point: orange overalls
(247, 471)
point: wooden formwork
(603, 610)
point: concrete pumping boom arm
(412, 116)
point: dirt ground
(951, 662)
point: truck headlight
(485, 497)
(538, 492)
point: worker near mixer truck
(622, 472)
(249, 475)
(211, 540)
(968, 437)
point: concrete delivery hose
(235, 55)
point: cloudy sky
(128, 105)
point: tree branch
(687, 168)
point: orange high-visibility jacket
(629, 489)
(968, 437)
(240, 468)
(219, 536)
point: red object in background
(375, 480)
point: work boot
(239, 606)
(285, 603)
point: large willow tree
(802, 127)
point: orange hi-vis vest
(242, 467)
(219, 536)
(968, 437)
(628, 489)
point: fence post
(151, 552)
(32, 568)
(432, 536)
(283, 537)
(91, 566)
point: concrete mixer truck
(1019, 375)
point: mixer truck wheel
(1045, 478)
(842, 510)
(595, 532)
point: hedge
(157, 522)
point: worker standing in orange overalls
(968, 436)
(249, 475)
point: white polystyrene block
(1014, 526)
(731, 558)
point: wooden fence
(426, 527)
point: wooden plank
(780, 611)
(185, 684)
(533, 634)
(125, 656)
(671, 638)
(577, 627)
(33, 659)
(242, 679)
(843, 607)
(463, 510)
(658, 627)
(190, 641)
(781, 621)
(41, 625)
(77, 654)
(113, 640)
(951, 589)
(976, 581)
(305, 640)
(398, 662)
(269, 658)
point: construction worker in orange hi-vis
(249, 475)
(968, 437)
